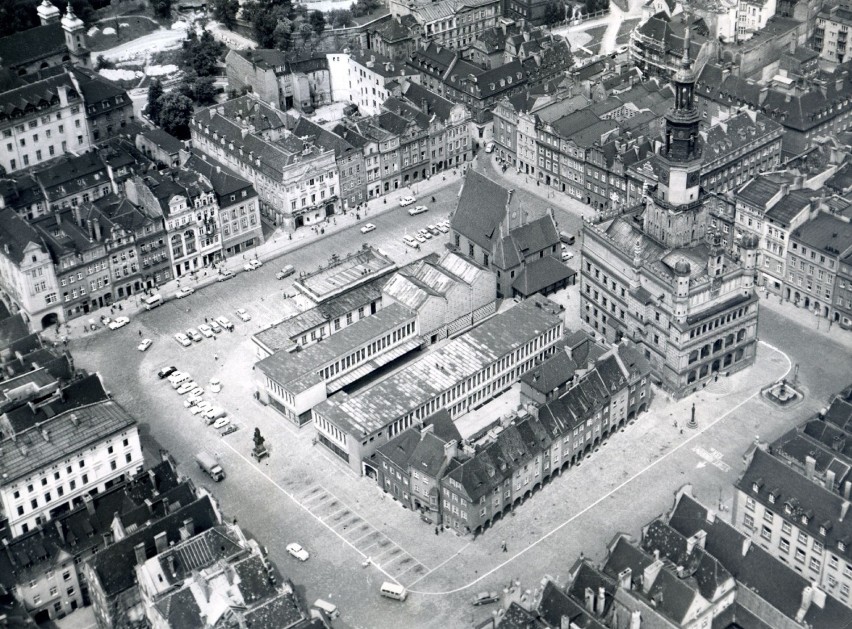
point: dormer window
(822, 531)
(841, 546)
(755, 487)
(804, 519)
(772, 498)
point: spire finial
(685, 59)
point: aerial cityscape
(366, 314)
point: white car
(186, 387)
(206, 330)
(242, 314)
(186, 291)
(442, 228)
(215, 327)
(183, 339)
(221, 422)
(251, 265)
(298, 552)
(489, 148)
(408, 240)
(420, 237)
(418, 210)
(145, 344)
(225, 275)
(194, 335)
(425, 233)
(201, 407)
(366, 229)
(404, 201)
(225, 323)
(192, 400)
(215, 385)
(118, 322)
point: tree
(554, 12)
(155, 91)
(175, 114)
(201, 54)
(339, 18)
(226, 11)
(317, 22)
(162, 8)
(205, 92)
(283, 34)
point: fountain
(782, 393)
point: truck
(211, 467)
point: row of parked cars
(209, 329)
(426, 233)
(183, 384)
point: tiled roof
(540, 274)
(33, 44)
(99, 91)
(437, 104)
(82, 392)
(42, 92)
(17, 235)
(163, 140)
(550, 374)
(811, 507)
(840, 414)
(281, 611)
(224, 180)
(315, 134)
(480, 210)
(555, 605)
(114, 564)
(758, 192)
(73, 174)
(789, 207)
(754, 568)
(434, 373)
(826, 233)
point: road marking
(453, 556)
(414, 565)
(308, 511)
(355, 541)
(610, 493)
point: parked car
(205, 330)
(186, 387)
(484, 598)
(419, 209)
(183, 339)
(287, 271)
(442, 228)
(215, 385)
(366, 229)
(434, 230)
(192, 399)
(251, 265)
(408, 240)
(165, 372)
(145, 344)
(419, 237)
(242, 314)
(298, 552)
(186, 291)
(489, 147)
(201, 407)
(566, 255)
(224, 275)
(425, 233)
(215, 326)
(404, 201)
(118, 322)
(194, 335)
(225, 323)
(221, 422)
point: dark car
(165, 372)
(484, 598)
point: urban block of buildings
(659, 274)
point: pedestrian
(215, 356)
(505, 548)
(436, 530)
(205, 319)
(140, 333)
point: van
(214, 413)
(566, 237)
(176, 382)
(153, 301)
(394, 591)
(330, 609)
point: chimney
(424, 105)
(711, 516)
(165, 506)
(829, 480)
(695, 540)
(45, 435)
(650, 573)
(172, 567)
(451, 449)
(189, 525)
(160, 542)
(590, 600)
(810, 464)
(107, 538)
(427, 429)
(600, 602)
(746, 545)
(90, 504)
(139, 549)
(153, 478)
(96, 223)
(636, 620)
(847, 489)
(807, 598)
(625, 578)
(843, 510)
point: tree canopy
(226, 12)
(175, 114)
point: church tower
(676, 215)
(75, 38)
(47, 13)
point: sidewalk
(806, 318)
(276, 244)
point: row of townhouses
(468, 484)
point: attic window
(755, 487)
(788, 509)
(841, 546)
(772, 498)
(804, 519)
(822, 531)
